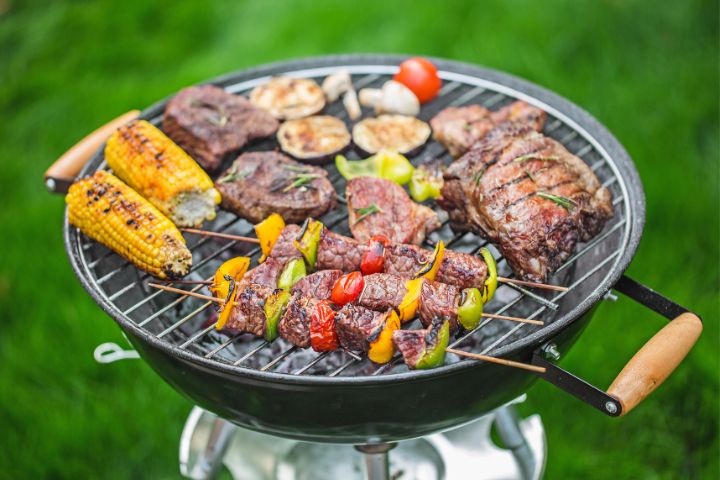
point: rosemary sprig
(298, 168)
(564, 202)
(233, 175)
(478, 176)
(300, 180)
(530, 176)
(366, 212)
(535, 156)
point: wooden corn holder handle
(63, 172)
(655, 361)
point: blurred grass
(647, 71)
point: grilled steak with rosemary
(377, 206)
(260, 183)
(459, 128)
(210, 123)
(527, 194)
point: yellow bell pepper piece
(409, 305)
(234, 269)
(492, 275)
(431, 268)
(382, 349)
(267, 232)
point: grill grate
(187, 323)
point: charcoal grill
(341, 397)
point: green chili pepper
(436, 341)
(384, 164)
(492, 277)
(293, 271)
(425, 184)
(274, 307)
(308, 240)
(470, 309)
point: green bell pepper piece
(424, 184)
(470, 309)
(384, 164)
(492, 277)
(308, 240)
(274, 306)
(436, 341)
(293, 271)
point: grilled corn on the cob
(147, 160)
(110, 212)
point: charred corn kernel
(110, 212)
(148, 161)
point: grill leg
(376, 460)
(508, 428)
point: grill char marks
(261, 183)
(397, 217)
(459, 128)
(210, 123)
(500, 190)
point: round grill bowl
(277, 389)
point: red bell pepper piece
(323, 337)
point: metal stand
(377, 462)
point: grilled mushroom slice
(400, 133)
(288, 98)
(313, 139)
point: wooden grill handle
(63, 172)
(655, 361)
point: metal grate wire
(186, 323)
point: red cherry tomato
(420, 76)
(373, 259)
(323, 337)
(347, 288)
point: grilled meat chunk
(294, 325)
(423, 348)
(357, 326)
(284, 249)
(248, 315)
(460, 269)
(210, 123)
(267, 273)
(261, 183)
(319, 285)
(377, 206)
(439, 300)
(527, 194)
(382, 291)
(338, 252)
(459, 128)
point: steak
(318, 285)
(294, 326)
(439, 300)
(527, 194)
(460, 269)
(382, 291)
(248, 314)
(284, 249)
(260, 183)
(338, 252)
(377, 206)
(210, 123)
(357, 326)
(459, 128)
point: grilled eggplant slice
(289, 98)
(400, 133)
(315, 139)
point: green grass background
(648, 70)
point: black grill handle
(64, 170)
(647, 369)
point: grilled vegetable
(347, 288)
(307, 241)
(470, 308)
(384, 164)
(274, 308)
(421, 77)
(492, 277)
(431, 268)
(313, 139)
(423, 349)
(289, 98)
(227, 307)
(323, 337)
(409, 305)
(151, 163)
(268, 232)
(373, 258)
(230, 270)
(394, 97)
(400, 133)
(115, 215)
(425, 183)
(293, 271)
(382, 348)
